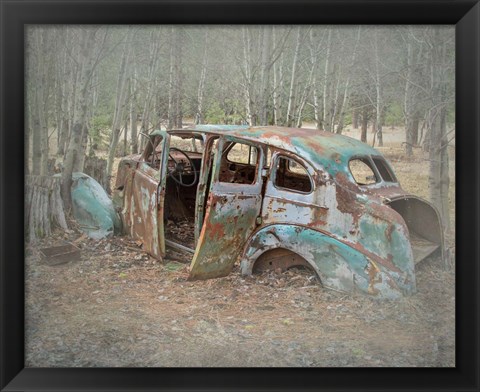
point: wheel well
(282, 259)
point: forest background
(91, 90)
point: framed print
(239, 195)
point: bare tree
(175, 112)
(87, 85)
(200, 115)
(291, 94)
(440, 65)
(88, 56)
(121, 93)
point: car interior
(238, 165)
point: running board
(174, 245)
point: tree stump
(97, 168)
(43, 206)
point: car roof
(325, 149)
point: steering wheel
(179, 168)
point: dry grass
(121, 308)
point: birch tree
(440, 65)
(291, 94)
(121, 92)
(87, 60)
(200, 115)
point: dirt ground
(117, 306)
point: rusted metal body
(294, 201)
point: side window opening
(239, 164)
(242, 153)
(384, 169)
(154, 152)
(291, 175)
(362, 171)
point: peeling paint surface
(230, 219)
(139, 196)
(92, 208)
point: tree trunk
(355, 118)
(133, 115)
(408, 102)
(416, 124)
(264, 76)
(119, 103)
(74, 149)
(438, 179)
(200, 116)
(75, 156)
(334, 100)
(438, 144)
(363, 136)
(40, 93)
(43, 206)
(325, 111)
(378, 95)
(346, 91)
(291, 94)
(175, 78)
(311, 81)
(249, 115)
(178, 80)
(152, 69)
(275, 91)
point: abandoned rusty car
(272, 197)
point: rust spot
(215, 230)
(373, 277)
(336, 157)
(388, 232)
(346, 200)
(319, 218)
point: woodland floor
(117, 306)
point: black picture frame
(465, 14)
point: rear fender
(338, 265)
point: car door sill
(180, 247)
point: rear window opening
(362, 171)
(384, 169)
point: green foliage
(217, 115)
(308, 114)
(214, 114)
(347, 120)
(394, 115)
(100, 126)
(451, 115)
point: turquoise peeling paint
(324, 253)
(92, 208)
(338, 265)
(374, 239)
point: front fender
(338, 265)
